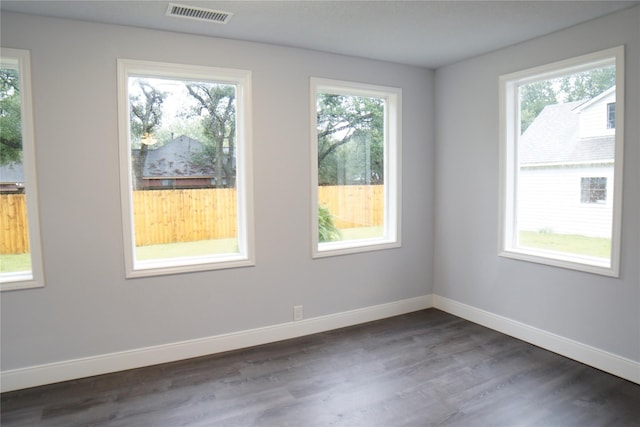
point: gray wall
(594, 310)
(87, 307)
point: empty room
(320, 213)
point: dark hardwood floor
(427, 368)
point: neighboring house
(12, 178)
(566, 161)
(169, 166)
(173, 166)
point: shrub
(327, 230)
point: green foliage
(350, 139)
(574, 87)
(588, 84)
(10, 117)
(327, 231)
(217, 107)
(533, 98)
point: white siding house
(566, 161)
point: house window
(193, 122)
(20, 253)
(611, 115)
(593, 190)
(355, 145)
(552, 137)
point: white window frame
(244, 178)
(392, 167)
(34, 278)
(509, 131)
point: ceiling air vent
(199, 13)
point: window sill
(18, 280)
(163, 267)
(594, 265)
(346, 247)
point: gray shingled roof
(174, 159)
(12, 173)
(553, 137)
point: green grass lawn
(186, 249)
(208, 247)
(570, 243)
(590, 246)
(22, 262)
(361, 233)
(18, 262)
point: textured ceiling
(424, 33)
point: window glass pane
(184, 143)
(19, 243)
(356, 151)
(562, 143)
(14, 245)
(566, 156)
(350, 167)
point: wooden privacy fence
(353, 205)
(170, 216)
(14, 234)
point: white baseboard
(32, 376)
(605, 361)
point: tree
(146, 116)
(574, 87)
(10, 117)
(217, 105)
(350, 138)
(588, 84)
(533, 98)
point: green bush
(327, 230)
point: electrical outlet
(298, 314)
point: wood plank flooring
(427, 368)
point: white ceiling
(424, 33)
